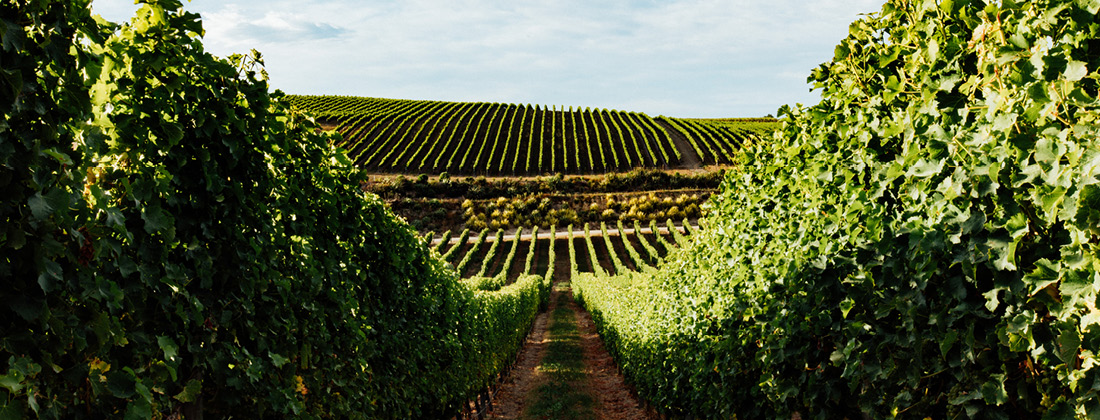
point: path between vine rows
(690, 159)
(613, 399)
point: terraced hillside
(463, 138)
(490, 258)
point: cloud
(233, 26)
(676, 57)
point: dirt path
(613, 399)
(525, 376)
(689, 158)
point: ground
(602, 383)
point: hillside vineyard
(179, 241)
(488, 259)
(409, 136)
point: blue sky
(683, 58)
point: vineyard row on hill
(411, 136)
(490, 259)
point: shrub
(197, 247)
(922, 243)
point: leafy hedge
(174, 240)
(922, 243)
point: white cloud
(682, 57)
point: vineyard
(410, 136)
(178, 241)
(499, 257)
(922, 243)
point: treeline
(409, 136)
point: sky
(680, 58)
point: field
(410, 136)
(178, 241)
(609, 248)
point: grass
(563, 396)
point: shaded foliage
(922, 243)
(177, 241)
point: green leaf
(1061, 410)
(190, 391)
(277, 359)
(121, 383)
(40, 209)
(42, 206)
(138, 409)
(1047, 150)
(1088, 209)
(1050, 198)
(342, 157)
(51, 273)
(1076, 283)
(975, 223)
(1017, 225)
(1069, 341)
(1075, 70)
(156, 219)
(1004, 121)
(1092, 408)
(28, 309)
(1044, 274)
(115, 218)
(925, 168)
(1019, 41)
(992, 299)
(993, 390)
(12, 409)
(1004, 254)
(948, 341)
(846, 306)
(169, 347)
(964, 398)
(58, 156)
(1091, 6)
(173, 132)
(16, 237)
(58, 199)
(13, 381)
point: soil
(689, 158)
(615, 400)
(524, 378)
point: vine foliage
(176, 240)
(921, 243)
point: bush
(921, 244)
(177, 241)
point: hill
(466, 138)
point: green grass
(563, 396)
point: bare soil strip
(524, 378)
(614, 400)
(690, 159)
